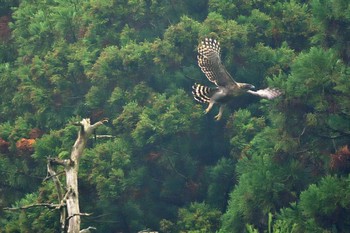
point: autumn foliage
(4, 146)
(340, 160)
(5, 32)
(25, 146)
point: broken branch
(48, 205)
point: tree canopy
(267, 166)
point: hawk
(226, 87)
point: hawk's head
(246, 86)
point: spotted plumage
(209, 61)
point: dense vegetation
(275, 166)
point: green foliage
(165, 117)
(326, 201)
(107, 171)
(313, 71)
(250, 201)
(291, 22)
(277, 226)
(198, 218)
(19, 130)
(56, 143)
(244, 128)
(331, 19)
(9, 82)
(322, 205)
(33, 219)
(6, 130)
(134, 63)
(220, 181)
(225, 8)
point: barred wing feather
(210, 63)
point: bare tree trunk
(60, 192)
(69, 203)
(72, 168)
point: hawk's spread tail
(201, 93)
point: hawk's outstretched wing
(210, 63)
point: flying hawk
(226, 87)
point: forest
(274, 166)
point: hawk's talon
(209, 107)
(221, 110)
(218, 117)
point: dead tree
(68, 197)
